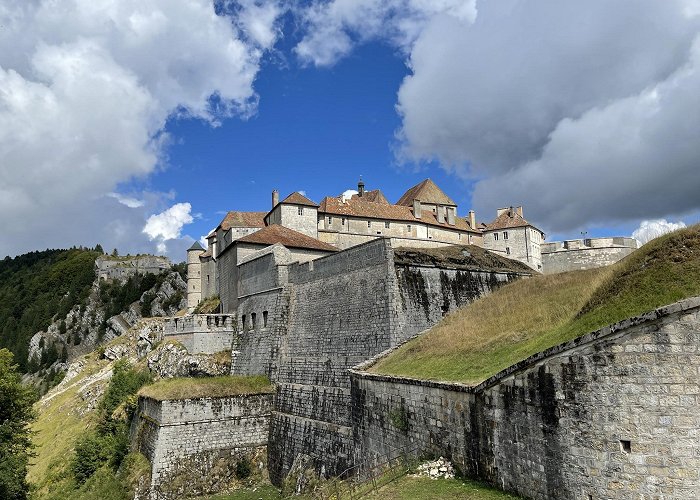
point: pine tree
(16, 413)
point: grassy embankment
(531, 315)
(187, 388)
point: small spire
(360, 187)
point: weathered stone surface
(613, 414)
(194, 444)
(173, 360)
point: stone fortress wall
(314, 320)
(613, 414)
(590, 253)
(201, 333)
(121, 268)
(189, 441)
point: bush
(243, 468)
(91, 452)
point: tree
(115, 253)
(16, 413)
(99, 249)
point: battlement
(588, 253)
(121, 268)
(202, 333)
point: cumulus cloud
(87, 88)
(168, 224)
(650, 229)
(582, 112)
(347, 194)
(334, 27)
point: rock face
(172, 360)
(87, 326)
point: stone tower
(194, 276)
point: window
(408, 227)
(507, 250)
(330, 220)
(207, 278)
(495, 236)
(625, 446)
(387, 225)
(300, 210)
(252, 321)
(342, 221)
(264, 319)
(369, 223)
(505, 235)
(243, 322)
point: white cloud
(347, 194)
(334, 27)
(585, 113)
(650, 229)
(168, 224)
(87, 87)
(126, 201)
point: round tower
(194, 276)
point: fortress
(310, 292)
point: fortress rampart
(575, 255)
(201, 333)
(612, 414)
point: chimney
(441, 214)
(510, 212)
(360, 188)
(519, 211)
(451, 216)
(472, 219)
(416, 209)
(275, 198)
(501, 211)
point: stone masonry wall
(582, 258)
(183, 439)
(201, 333)
(342, 310)
(429, 293)
(613, 414)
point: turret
(194, 276)
(360, 188)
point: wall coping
(619, 328)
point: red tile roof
(297, 198)
(358, 207)
(427, 192)
(242, 219)
(288, 237)
(375, 196)
(508, 219)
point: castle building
(423, 217)
(512, 236)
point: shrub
(243, 469)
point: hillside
(53, 307)
(35, 288)
(528, 316)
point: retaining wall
(613, 414)
(193, 444)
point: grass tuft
(528, 316)
(190, 388)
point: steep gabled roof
(195, 246)
(242, 219)
(508, 219)
(359, 207)
(427, 192)
(288, 237)
(374, 196)
(296, 198)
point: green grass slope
(531, 315)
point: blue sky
(138, 123)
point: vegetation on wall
(528, 316)
(36, 288)
(16, 413)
